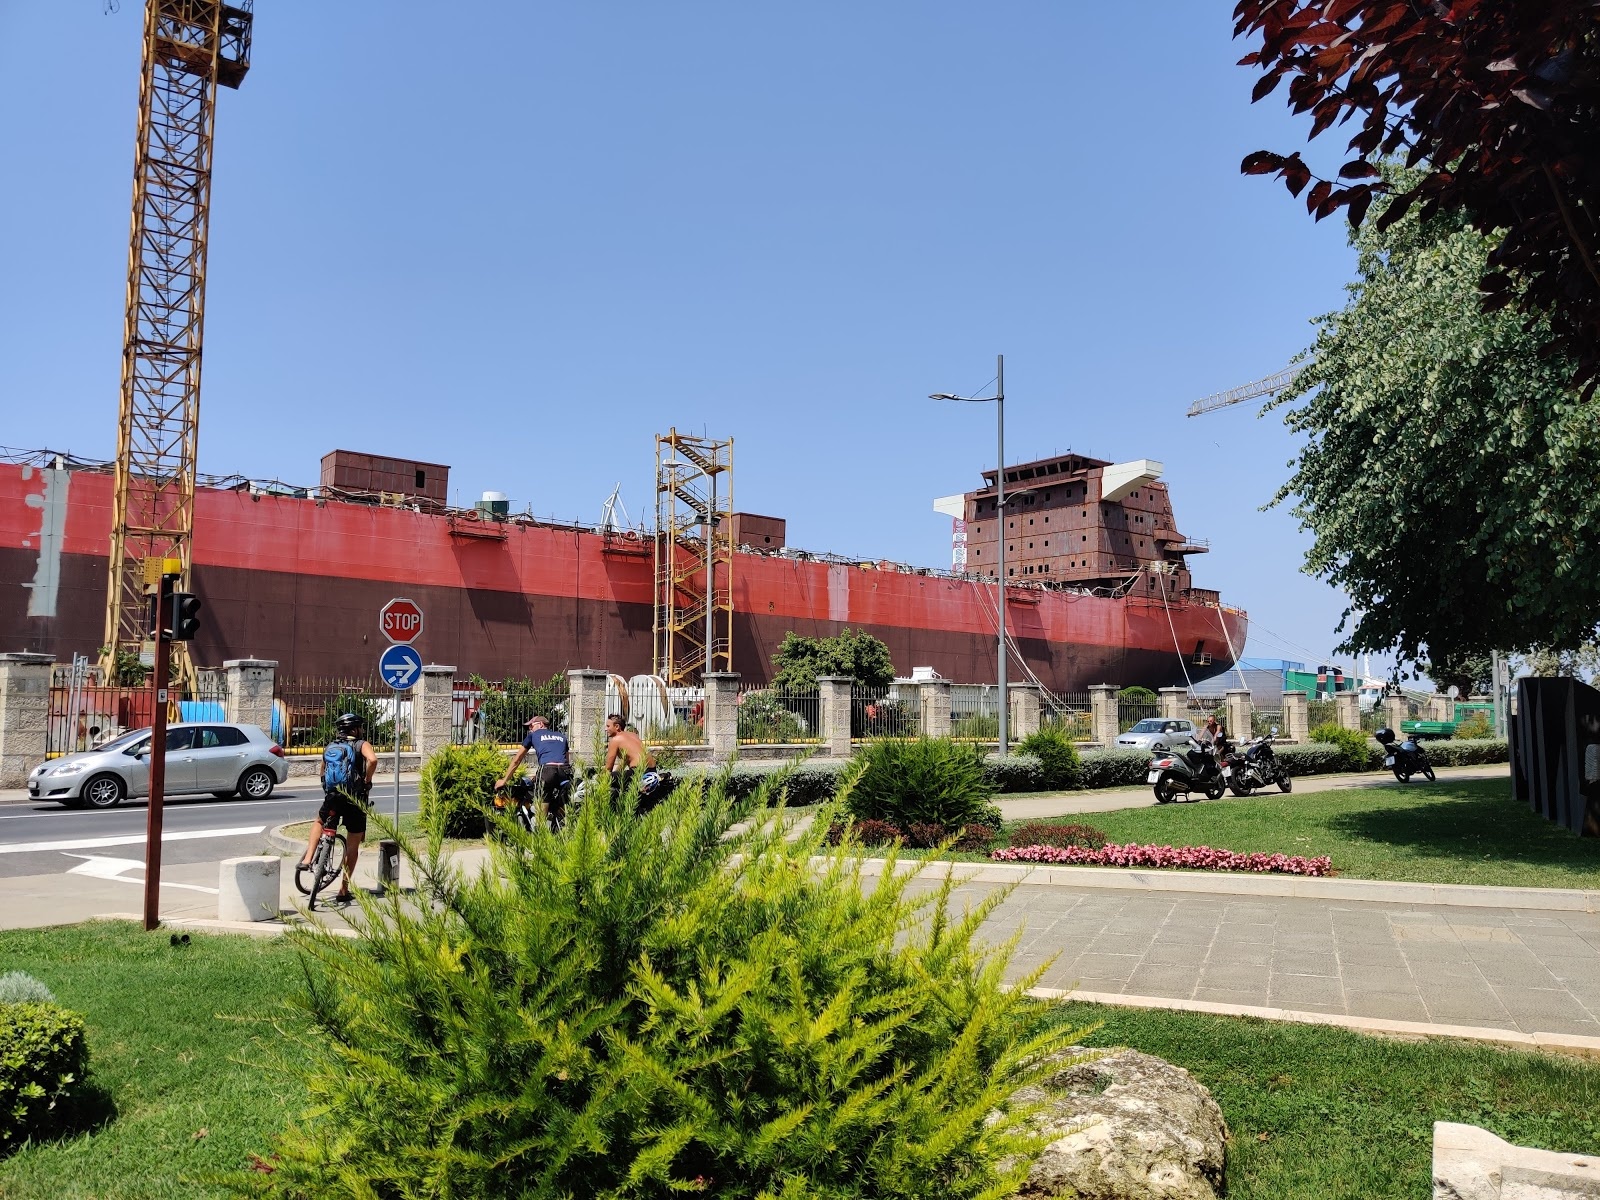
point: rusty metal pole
(158, 761)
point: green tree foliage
(379, 728)
(763, 717)
(1468, 673)
(1138, 695)
(1448, 475)
(1058, 757)
(924, 781)
(800, 661)
(505, 708)
(647, 1005)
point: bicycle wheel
(327, 863)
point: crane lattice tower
(190, 46)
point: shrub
(1138, 695)
(43, 1061)
(763, 717)
(1044, 833)
(976, 838)
(379, 729)
(1356, 749)
(18, 987)
(1186, 858)
(1312, 758)
(1113, 768)
(1468, 752)
(457, 787)
(933, 781)
(646, 1004)
(504, 708)
(1014, 773)
(1057, 756)
(1475, 726)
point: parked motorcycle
(1254, 765)
(1406, 759)
(1184, 771)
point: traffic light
(185, 617)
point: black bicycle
(326, 865)
(560, 798)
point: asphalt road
(46, 839)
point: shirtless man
(625, 752)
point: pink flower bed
(1192, 858)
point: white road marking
(133, 839)
(114, 868)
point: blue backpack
(339, 766)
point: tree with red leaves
(1497, 100)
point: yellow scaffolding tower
(190, 46)
(693, 557)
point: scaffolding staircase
(693, 557)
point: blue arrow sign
(400, 666)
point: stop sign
(401, 620)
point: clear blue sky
(524, 239)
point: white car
(1157, 733)
(225, 760)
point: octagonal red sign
(401, 620)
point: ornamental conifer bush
(647, 1005)
(923, 781)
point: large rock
(1127, 1126)
(1473, 1164)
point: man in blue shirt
(550, 752)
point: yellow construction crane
(190, 47)
(693, 557)
(1269, 386)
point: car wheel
(256, 783)
(103, 791)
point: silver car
(225, 760)
(1157, 733)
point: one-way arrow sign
(400, 666)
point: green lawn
(1324, 1114)
(171, 1030)
(1467, 832)
(1316, 1114)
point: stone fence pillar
(1103, 714)
(934, 696)
(1296, 716)
(24, 714)
(1240, 710)
(1395, 710)
(250, 683)
(586, 712)
(1174, 703)
(1024, 710)
(1347, 707)
(722, 713)
(833, 713)
(433, 709)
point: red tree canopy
(1497, 100)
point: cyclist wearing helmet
(348, 765)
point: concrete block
(247, 888)
(1470, 1163)
(1103, 713)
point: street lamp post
(999, 401)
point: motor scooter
(1182, 772)
(1406, 759)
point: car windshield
(1148, 725)
(126, 740)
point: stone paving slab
(1502, 968)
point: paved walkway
(1505, 968)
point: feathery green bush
(43, 1061)
(923, 781)
(1057, 755)
(1357, 751)
(456, 788)
(648, 1004)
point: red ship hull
(301, 581)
